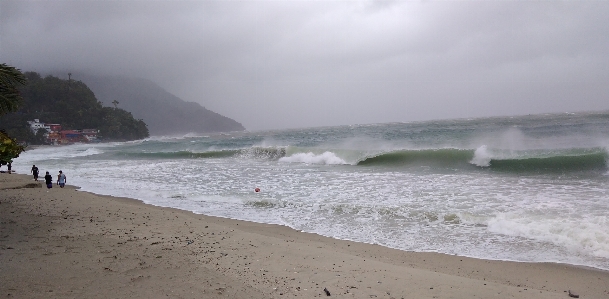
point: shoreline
(67, 244)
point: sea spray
(482, 157)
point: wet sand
(65, 243)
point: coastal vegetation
(71, 104)
(10, 101)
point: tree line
(28, 96)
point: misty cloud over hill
(163, 112)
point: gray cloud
(280, 64)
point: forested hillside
(73, 105)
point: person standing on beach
(61, 179)
(9, 167)
(35, 172)
(49, 180)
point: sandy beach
(64, 243)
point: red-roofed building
(54, 127)
(70, 136)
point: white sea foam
(587, 234)
(327, 158)
(168, 138)
(194, 135)
(61, 152)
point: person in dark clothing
(48, 179)
(9, 167)
(35, 172)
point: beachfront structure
(71, 136)
(90, 134)
(54, 127)
(36, 125)
(53, 138)
(54, 134)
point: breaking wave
(540, 161)
(327, 158)
(482, 158)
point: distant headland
(116, 108)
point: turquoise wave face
(427, 157)
(593, 162)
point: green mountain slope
(71, 104)
(163, 112)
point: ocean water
(529, 188)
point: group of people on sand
(48, 179)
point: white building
(36, 125)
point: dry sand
(64, 243)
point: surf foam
(327, 158)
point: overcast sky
(290, 64)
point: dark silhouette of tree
(10, 101)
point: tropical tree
(10, 100)
(9, 148)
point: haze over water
(529, 188)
